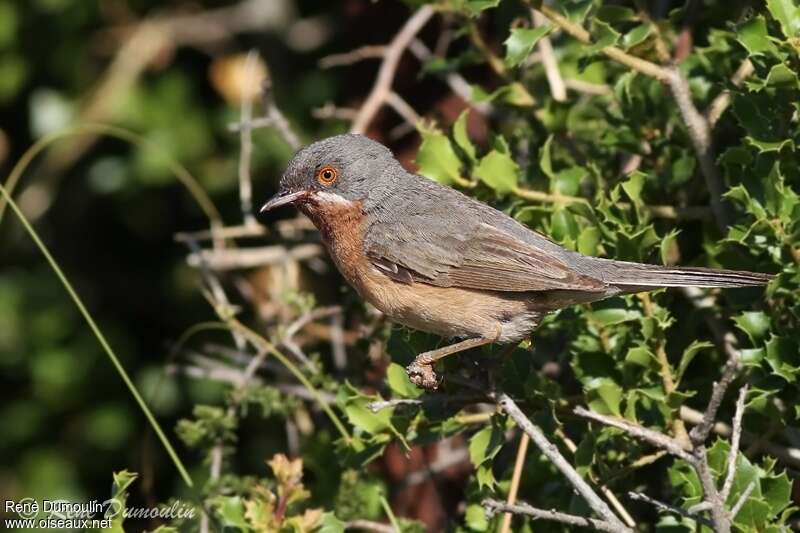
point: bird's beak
(282, 198)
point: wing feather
(475, 256)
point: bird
(434, 259)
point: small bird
(434, 259)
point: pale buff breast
(449, 312)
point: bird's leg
(420, 371)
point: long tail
(638, 276)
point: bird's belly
(445, 311)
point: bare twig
(700, 432)
(742, 499)
(383, 83)
(789, 456)
(329, 110)
(402, 108)
(557, 88)
(354, 56)
(719, 515)
(576, 31)
(279, 121)
(655, 438)
(519, 462)
(496, 506)
(607, 493)
(586, 87)
(246, 139)
(734, 451)
(379, 405)
(369, 525)
(231, 259)
(551, 452)
(700, 135)
(723, 99)
(454, 80)
(669, 508)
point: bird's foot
(423, 376)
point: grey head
(343, 168)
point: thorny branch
(495, 506)
(609, 519)
(383, 83)
(714, 498)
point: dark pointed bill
(282, 198)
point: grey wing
(470, 254)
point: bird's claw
(422, 376)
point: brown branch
(495, 506)
(369, 525)
(383, 83)
(742, 499)
(516, 475)
(575, 30)
(655, 438)
(668, 508)
(241, 258)
(700, 134)
(789, 456)
(700, 432)
(557, 88)
(551, 452)
(246, 139)
(370, 51)
(454, 80)
(734, 451)
(723, 99)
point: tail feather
(624, 275)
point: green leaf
(475, 518)
(436, 158)
(589, 240)
(788, 14)
(230, 510)
(612, 14)
(783, 355)
(485, 444)
(521, 41)
(612, 316)
(513, 94)
(461, 137)
(754, 37)
(781, 76)
(498, 171)
(398, 381)
(666, 245)
(568, 181)
(634, 185)
(545, 162)
(688, 356)
(640, 356)
(604, 36)
(636, 36)
(605, 396)
(331, 524)
(777, 492)
(473, 8)
(754, 323)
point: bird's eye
(327, 176)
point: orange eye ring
(327, 176)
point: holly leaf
(521, 41)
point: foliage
(612, 170)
